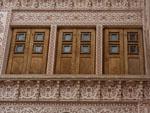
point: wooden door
(75, 51)
(113, 52)
(85, 63)
(134, 54)
(38, 48)
(123, 51)
(28, 51)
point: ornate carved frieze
(72, 4)
(77, 18)
(69, 108)
(74, 90)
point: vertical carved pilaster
(51, 53)
(4, 26)
(38, 90)
(99, 91)
(79, 92)
(146, 34)
(58, 90)
(99, 46)
(18, 91)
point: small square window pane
(85, 36)
(132, 36)
(67, 48)
(114, 49)
(114, 37)
(67, 37)
(39, 37)
(133, 49)
(85, 48)
(21, 37)
(38, 48)
(19, 48)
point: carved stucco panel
(70, 108)
(77, 18)
(29, 90)
(3, 20)
(90, 90)
(9, 90)
(48, 90)
(73, 4)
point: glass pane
(38, 48)
(67, 48)
(114, 49)
(39, 37)
(85, 36)
(132, 36)
(67, 37)
(114, 37)
(19, 48)
(21, 37)
(133, 49)
(85, 48)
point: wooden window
(28, 51)
(123, 51)
(75, 51)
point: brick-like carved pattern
(73, 4)
(68, 108)
(74, 90)
(77, 17)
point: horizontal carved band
(72, 4)
(73, 90)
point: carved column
(4, 26)
(146, 34)
(51, 53)
(99, 46)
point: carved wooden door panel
(113, 52)
(38, 48)
(75, 51)
(123, 51)
(134, 54)
(85, 55)
(28, 51)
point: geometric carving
(74, 18)
(73, 4)
(68, 108)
